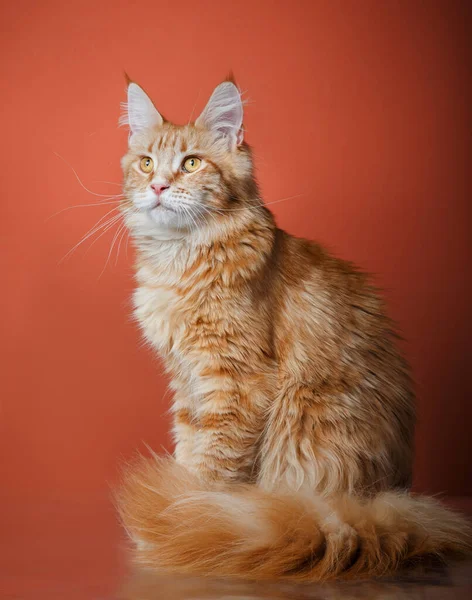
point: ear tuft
(224, 113)
(231, 78)
(139, 112)
(127, 78)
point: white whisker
(99, 225)
(262, 204)
(127, 242)
(101, 203)
(122, 235)
(111, 248)
(109, 226)
(78, 178)
(110, 182)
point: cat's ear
(224, 113)
(139, 112)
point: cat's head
(178, 178)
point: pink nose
(158, 188)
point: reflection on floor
(454, 583)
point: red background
(362, 108)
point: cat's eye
(191, 164)
(146, 164)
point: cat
(293, 408)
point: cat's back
(334, 288)
(333, 315)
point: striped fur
(284, 368)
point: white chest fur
(156, 310)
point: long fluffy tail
(180, 524)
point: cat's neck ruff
(166, 250)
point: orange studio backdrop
(359, 114)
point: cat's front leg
(184, 429)
(228, 424)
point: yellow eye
(192, 164)
(146, 164)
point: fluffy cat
(293, 409)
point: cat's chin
(166, 222)
(161, 215)
(159, 223)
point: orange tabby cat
(293, 409)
